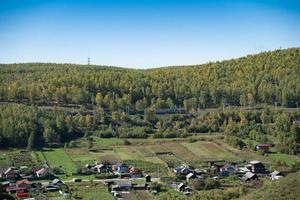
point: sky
(144, 33)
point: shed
(249, 176)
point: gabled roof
(253, 162)
(24, 181)
(249, 175)
(181, 185)
(55, 181)
(10, 169)
(42, 170)
(190, 175)
(99, 166)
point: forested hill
(264, 78)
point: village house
(124, 185)
(257, 167)
(15, 189)
(22, 195)
(135, 172)
(57, 182)
(50, 187)
(42, 172)
(121, 168)
(276, 175)
(191, 176)
(8, 173)
(100, 168)
(263, 147)
(24, 184)
(249, 176)
(227, 169)
(183, 188)
(183, 170)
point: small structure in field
(276, 175)
(192, 176)
(148, 178)
(184, 189)
(263, 147)
(249, 176)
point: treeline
(29, 126)
(281, 129)
(266, 78)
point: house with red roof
(24, 184)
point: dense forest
(47, 104)
(265, 78)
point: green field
(58, 158)
(283, 158)
(89, 191)
(3, 161)
(209, 151)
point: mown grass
(58, 158)
(90, 191)
(3, 159)
(283, 158)
(149, 167)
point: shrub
(127, 142)
(198, 184)
(105, 176)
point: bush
(198, 184)
(133, 132)
(72, 144)
(155, 186)
(107, 133)
(127, 142)
(105, 176)
(210, 183)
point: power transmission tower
(89, 61)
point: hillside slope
(286, 188)
(267, 77)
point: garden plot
(20, 158)
(181, 152)
(58, 158)
(209, 151)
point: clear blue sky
(144, 33)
